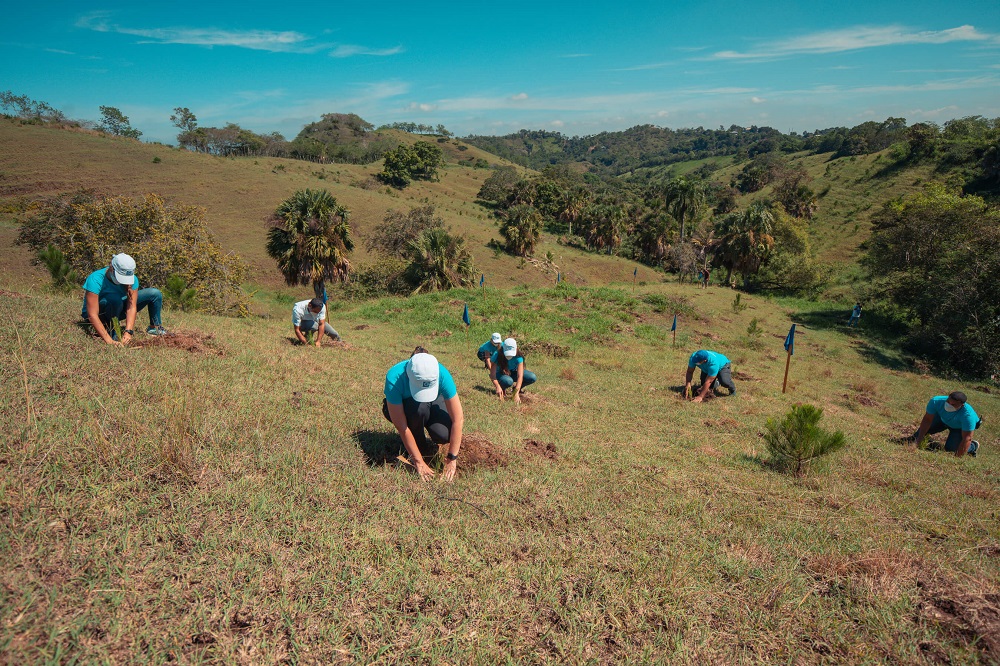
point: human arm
(94, 317)
(454, 407)
(130, 312)
(494, 370)
(300, 335)
(398, 417)
(319, 332)
(517, 384)
(963, 446)
(925, 425)
(687, 381)
(706, 386)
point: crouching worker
(508, 370)
(953, 413)
(715, 369)
(420, 395)
(311, 316)
(114, 293)
(487, 349)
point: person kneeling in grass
(113, 293)
(715, 369)
(311, 316)
(487, 349)
(953, 413)
(420, 394)
(508, 370)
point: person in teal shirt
(114, 293)
(508, 370)
(715, 369)
(953, 413)
(487, 349)
(420, 395)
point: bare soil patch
(189, 341)
(545, 450)
(744, 377)
(362, 327)
(972, 618)
(339, 344)
(548, 348)
(12, 294)
(478, 453)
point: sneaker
(974, 448)
(156, 330)
(933, 446)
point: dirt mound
(362, 327)
(338, 344)
(189, 341)
(547, 451)
(972, 617)
(548, 348)
(477, 452)
(744, 377)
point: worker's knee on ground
(505, 382)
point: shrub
(797, 439)
(64, 278)
(178, 295)
(752, 339)
(165, 240)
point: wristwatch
(451, 456)
(129, 331)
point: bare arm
(454, 407)
(494, 370)
(300, 335)
(963, 446)
(706, 386)
(398, 417)
(925, 425)
(687, 381)
(94, 317)
(131, 310)
(517, 384)
(319, 335)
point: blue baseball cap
(699, 356)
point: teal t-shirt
(397, 385)
(487, 348)
(512, 363)
(106, 290)
(710, 367)
(961, 419)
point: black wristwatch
(451, 456)
(129, 331)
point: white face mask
(948, 407)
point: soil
(477, 452)
(547, 451)
(362, 327)
(339, 344)
(972, 617)
(744, 377)
(190, 341)
(863, 399)
(548, 348)
(12, 294)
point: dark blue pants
(506, 381)
(954, 434)
(115, 308)
(431, 416)
(725, 377)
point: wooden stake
(674, 343)
(788, 362)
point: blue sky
(577, 68)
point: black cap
(316, 303)
(957, 396)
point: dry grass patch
(567, 373)
(869, 576)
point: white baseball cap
(123, 268)
(510, 348)
(423, 371)
(495, 338)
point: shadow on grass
(872, 329)
(378, 448)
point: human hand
(500, 393)
(517, 398)
(450, 467)
(425, 472)
(115, 343)
(316, 343)
(126, 338)
(697, 398)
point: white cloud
(757, 100)
(575, 55)
(557, 123)
(519, 97)
(855, 38)
(951, 111)
(414, 106)
(348, 50)
(640, 68)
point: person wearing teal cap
(715, 369)
(420, 394)
(953, 413)
(487, 349)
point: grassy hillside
(238, 194)
(232, 502)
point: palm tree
(685, 200)
(652, 236)
(521, 229)
(309, 238)
(606, 225)
(575, 202)
(439, 260)
(746, 239)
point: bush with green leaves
(796, 440)
(177, 294)
(164, 239)
(64, 277)
(420, 161)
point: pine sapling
(796, 440)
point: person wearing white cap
(420, 394)
(508, 370)
(488, 348)
(114, 293)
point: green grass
(160, 505)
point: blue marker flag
(324, 295)
(790, 341)
(558, 278)
(465, 315)
(674, 327)
(482, 279)
(635, 271)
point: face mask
(948, 407)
